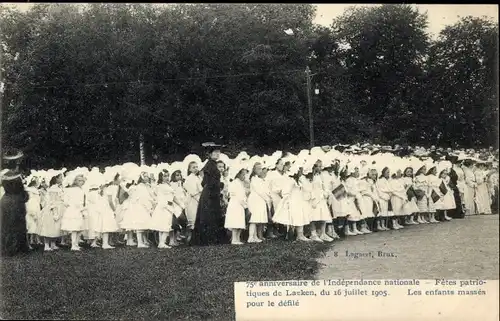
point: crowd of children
(317, 195)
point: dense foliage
(81, 83)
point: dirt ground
(459, 249)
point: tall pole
(142, 154)
(309, 105)
(141, 149)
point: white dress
(72, 219)
(161, 220)
(410, 206)
(398, 196)
(307, 189)
(180, 197)
(492, 182)
(420, 183)
(353, 198)
(384, 196)
(193, 189)
(367, 197)
(319, 201)
(136, 213)
(433, 183)
(482, 198)
(460, 180)
(327, 181)
(225, 189)
(339, 206)
(33, 209)
(290, 210)
(235, 213)
(276, 182)
(448, 202)
(94, 208)
(258, 200)
(120, 208)
(107, 221)
(469, 192)
(51, 215)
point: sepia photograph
(209, 161)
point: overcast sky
(439, 15)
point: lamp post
(309, 76)
(309, 106)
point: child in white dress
(366, 201)
(176, 182)
(275, 179)
(448, 202)
(33, 209)
(327, 180)
(106, 223)
(163, 213)
(259, 204)
(136, 213)
(411, 209)
(351, 203)
(235, 213)
(421, 189)
(193, 188)
(50, 217)
(94, 208)
(384, 196)
(112, 200)
(123, 203)
(337, 204)
(290, 211)
(398, 198)
(320, 214)
(73, 218)
(433, 183)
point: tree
(462, 79)
(89, 80)
(383, 51)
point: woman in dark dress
(209, 224)
(458, 212)
(13, 215)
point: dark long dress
(13, 218)
(209, 223)
(458, 211)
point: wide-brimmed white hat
(236, 168)
(242, 156)
(308, 164)
(190, 159)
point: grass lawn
(189, 283)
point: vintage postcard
(250, 162)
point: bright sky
(439, 15)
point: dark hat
(452, 158)
(13, 155)
(10, 175)
(340, 148)
(212, 145)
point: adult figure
(469, 190)
(456, 174)
(209, 224)
(13, 209)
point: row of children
(316, 195)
